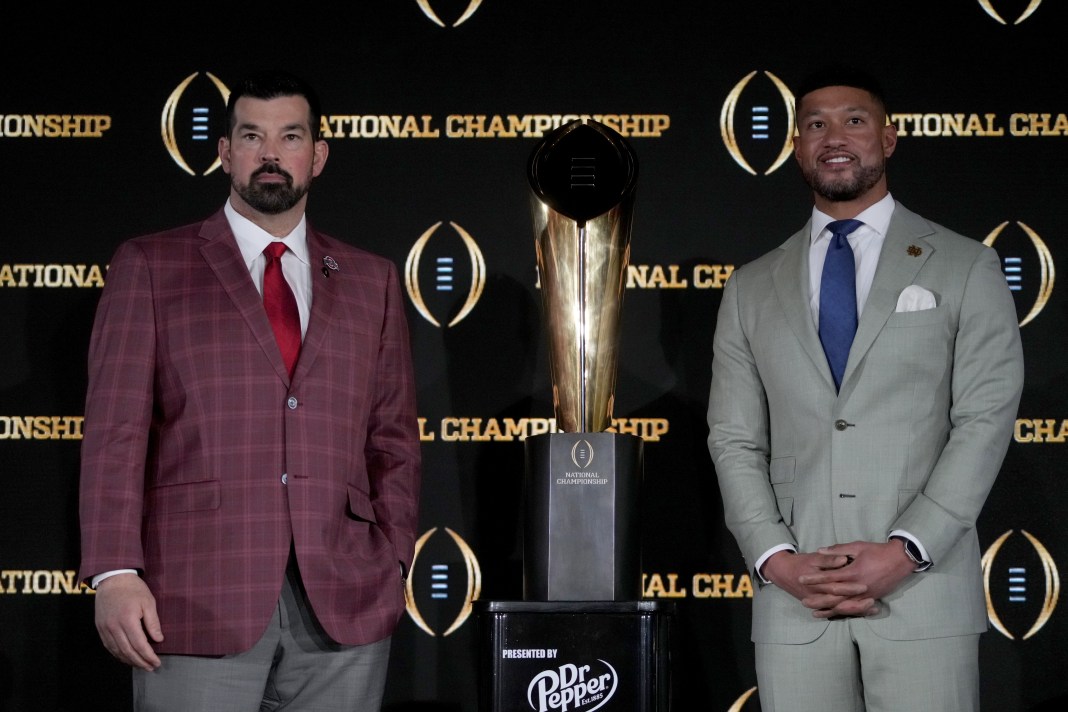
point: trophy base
(581, 534)
(627, 647)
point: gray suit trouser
(852, 669)
(294, 666)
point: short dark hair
(841, 75)
(271, 84)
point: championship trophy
(582, 590)
(581, 491)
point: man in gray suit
(855, 442)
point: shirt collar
(876, 217)
(252, 239)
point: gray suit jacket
(924, 418)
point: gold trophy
(582, 483)
(583, 177)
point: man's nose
(834, 136)
(269, 153)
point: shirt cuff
(108, 574)
(758, 568)
(913, 548)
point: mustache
(272, 168)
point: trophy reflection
(581, 539)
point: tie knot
(275, 250)
(841, 228)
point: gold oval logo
(1028, 11)
(737, 706)
(727, 123)
(198, 121)
(472, 583)
(1046, 269)
(1017, 580)
(412, 281)
(472, 6)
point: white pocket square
(915, 298)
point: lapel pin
(914, 251)
(329, 263)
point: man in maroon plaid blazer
(248, 532)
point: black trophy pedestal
(581, 533)
(611, 656)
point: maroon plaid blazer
(191, 422)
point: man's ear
(322, 151)
(224, 154)
(889, 139)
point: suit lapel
(904, 252)
(791, 286)
(325, 284)
(224, 258)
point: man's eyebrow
(249, 126)
(848, 109)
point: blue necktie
(838, 298)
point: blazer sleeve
(393, 448)
(738, 434)
(118, 413)
(987, 382)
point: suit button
(292, 402)
(285, 480)
(840, 425)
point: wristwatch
(913, 552)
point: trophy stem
(583, 333)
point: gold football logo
(472, 6)
(989, 8)
(1012, 267)
(472, 583)
(199, 122)
(760, 123)
(444, 274)
(1016, 584)
(740, 702)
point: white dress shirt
(866, 241)
(252, 240)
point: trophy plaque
(581, 538)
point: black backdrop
(977, 87)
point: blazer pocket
(923, 317)
(184, 497)
(360, 505)
(781, 469)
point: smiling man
(250, 464)
(865, 381)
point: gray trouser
(294, 666)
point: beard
(271, 198)
(844, 188)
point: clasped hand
(844, 580)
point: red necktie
(281, 306)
